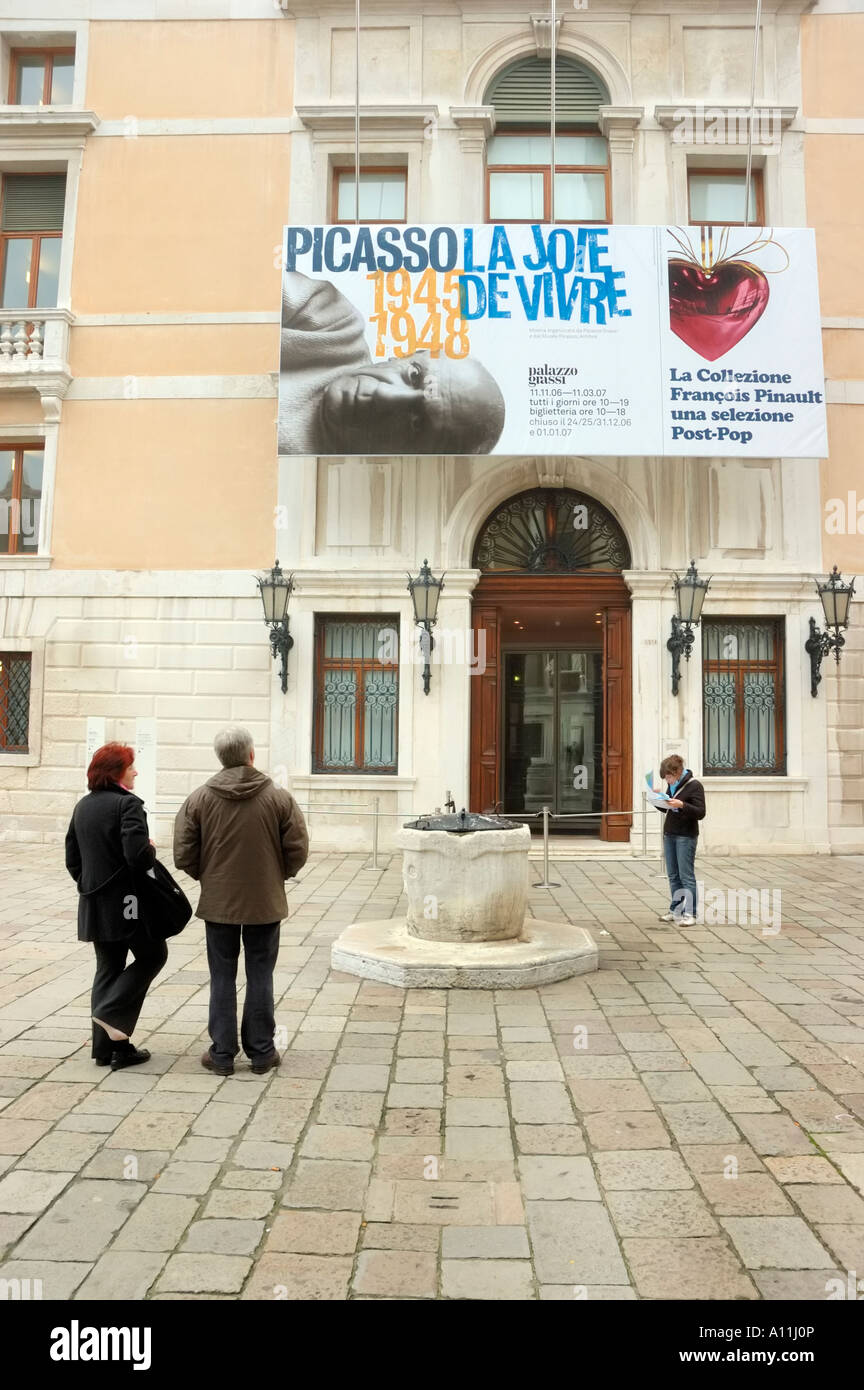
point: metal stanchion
(546, 883)
(376, 802)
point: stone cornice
(402, 122)
(669, 117)
(620, 123)
(794, 587)
(475, 124)
(310, 583)
(487, 9)
(46, 124)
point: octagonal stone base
(543, 953)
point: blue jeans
(680, 852)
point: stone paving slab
(687, 1122)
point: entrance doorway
(553, 735)
(551, 701)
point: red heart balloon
(712, 310)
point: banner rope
(749, 175)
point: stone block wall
(193, 664)
(843, 688)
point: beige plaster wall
(831, 64)
(182, 350)
(177, 484)
(191, 68)
(180, 223)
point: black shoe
(127, 1055)
(102, 1061)
(210, 1065)
(266, 1064)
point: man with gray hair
(241, 836)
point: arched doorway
(551, 708)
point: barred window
(14, 702)
(356, 694)
(743, 697)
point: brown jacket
(242, 837)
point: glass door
(553, 736)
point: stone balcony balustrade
(34, 352)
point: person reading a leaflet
(336, 400)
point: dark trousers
(119, 989)
(680, 851)
(260, 949)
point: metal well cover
(466, 822)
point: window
(41, 76)
(550, 529)
(382, 195)
(520, 177)
(717, 197)
(743, 696)
(518, 156)
(356, 694)
(31, 237)
(20, 499)
(14, 701)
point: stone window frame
(687, 157)
(774, 666)
(46, 34)
(35, 647)
(391, 137)
(320, 621)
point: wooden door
(605, 593)
(485, 711)
(617, 726)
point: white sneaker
(666, 917)
(686, 921)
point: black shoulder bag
(166, 907)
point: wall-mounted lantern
(689, 597)
(276, 589)
(836, 600)
(425, 592)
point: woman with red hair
(107, 846)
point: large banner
(533, 339)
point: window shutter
(522, 93)
(33, 202)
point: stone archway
(551, 611)
(498, 478)
(571, 44)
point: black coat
(686, 820)
(107, 845)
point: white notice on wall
(95, 739)
(145, 762)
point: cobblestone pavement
(685, 1123)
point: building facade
(145, 186)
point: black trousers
(119, 990)
(260, 950)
